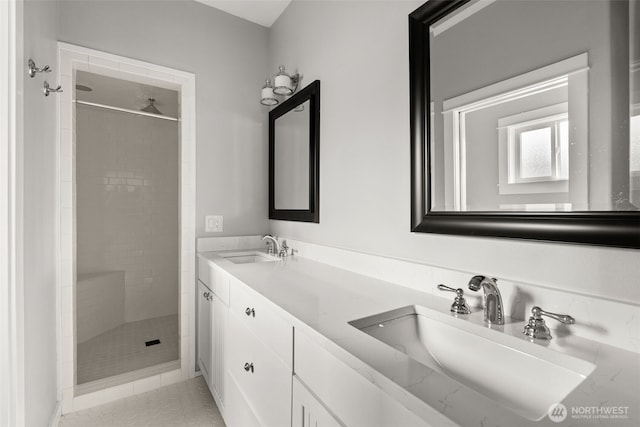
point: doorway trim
(12, 350)
(70, 59)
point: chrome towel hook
(32, 70)
(48, 89)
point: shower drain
(152, 342)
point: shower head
(151, 108)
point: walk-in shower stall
(127, 147)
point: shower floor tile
(123, 349)
(185, 404)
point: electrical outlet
(213, 223)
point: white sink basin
(248, 257)
(520, 375)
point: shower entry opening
(127, 226)
(126, 209)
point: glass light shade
(267, 97)
(282, 83)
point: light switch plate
(213, 223)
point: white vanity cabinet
(264, 373)
(352, 399)
(309, 411)
(259, 360)
(213, 314)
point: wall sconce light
(268, 97)
(283, 84)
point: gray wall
(39, 203)
(228, 55)
(359, 50)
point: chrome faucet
(492, 300)
(274, 241)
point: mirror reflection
(291, 172)
(546, 119)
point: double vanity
(294, 342)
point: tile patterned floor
(186, 404)
(123, 349)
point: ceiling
(263, 12)
(125, 94)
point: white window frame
(634, 112)
(634, 174)
(507, 184)
(515, 147)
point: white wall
(127, 195)
(39, 251)
(359, 50)
(228, 55)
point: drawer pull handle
(250, 312)
(248, 367)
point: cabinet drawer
(262, 378)
(254, 313)
(354, 400)
(216, 279)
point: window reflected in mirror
(528, 124)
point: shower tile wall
(127, 196)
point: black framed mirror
(294, 157)
(560, 201)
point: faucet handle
(537, 327)
(449, 288)
(537, 312)
(284, 250)
(459, 305)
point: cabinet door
(204, 331)
(237, 412)
(354, 399)
(308, 411)
(218, 338)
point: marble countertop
(320, 300)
